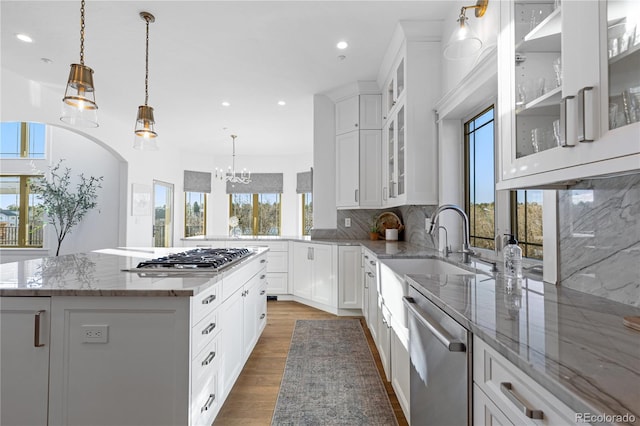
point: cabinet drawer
(203, 332)
(205, 402)
(273, 245)
(204, 303)
(236, 279)
(278, 261)
(204, 364)
(278, 283)
(513, 391)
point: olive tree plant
(63, 207)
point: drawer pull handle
(263, 292)
(207, 405)
(209, 328)
(507, 390)
(370, 274)
(372, 262)
(263, 276)
(36, 334)
(209, 358)
(262, 316)
(209, 299)
(263, 260)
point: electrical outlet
(427, 223)
(95, 333)
(347, 222)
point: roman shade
(261, 183)
(304, 182)
(197, 181)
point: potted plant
(65, 209)
(374, 229)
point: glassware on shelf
(557, 68)
(536, 139)
(556, 132)
(613, 115)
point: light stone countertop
(103, 273)
(571, 343)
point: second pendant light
(145, 134)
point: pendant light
(464, 42)
(79, 106)
(146, 136)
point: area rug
(330, 378)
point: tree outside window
(258, 214)
(307, 213)
(195, 209)
(526, 215)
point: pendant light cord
(82, 32)
(146, 75)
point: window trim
(204, 221)
(23, 213)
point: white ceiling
(249, 53)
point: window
(258, 214)
(195, 209)
(526, 221)
(480, 179)
(21, 214)
(22, 140)
(307, 213)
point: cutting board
(632, 322)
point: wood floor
(253, 397)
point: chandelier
(231, 175)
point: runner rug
(330, 378)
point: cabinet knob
(356, 124)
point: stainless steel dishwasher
(439, 349)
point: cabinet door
(373, 307)
(370, 184)
(370, 112)
(252, 310)
(231, 345)
(24, 350)
(349, 277)
(347, 115)
(323, 279)
(347, 170)
(301, 270)
(384, 340)
(389, 162)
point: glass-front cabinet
(571, 108)
(395, 176)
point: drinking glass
(613, 116)
(539, 89)
(556, 132)
(557, 68)
(536, 139)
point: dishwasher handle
(441, 334)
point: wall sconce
(464, 42)
(79, 106)
(146, 135)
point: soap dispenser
(512, 258)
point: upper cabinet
(358, 151)
(409, 155)
(569, 98)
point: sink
(424, 266)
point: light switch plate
(347, 222)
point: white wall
(325, 215)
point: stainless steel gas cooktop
(200, 259)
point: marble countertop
(573, 344)
(103, 273)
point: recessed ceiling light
(282, 103)
(46, 60)
(342, 57)
(342, 45)
(24, 37)
(226, 104)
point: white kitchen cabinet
(358, 112)
(349, 277)
(371, 289)
(520, 399)
(358, 151)
(384, 338)
(314, 273)
(410, 163)
(533, 35)
(277, 264)
(24, 351)
(401, 369)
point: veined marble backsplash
(599, 241)
(412, 217)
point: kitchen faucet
(466, 246)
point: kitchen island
(86, 342)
